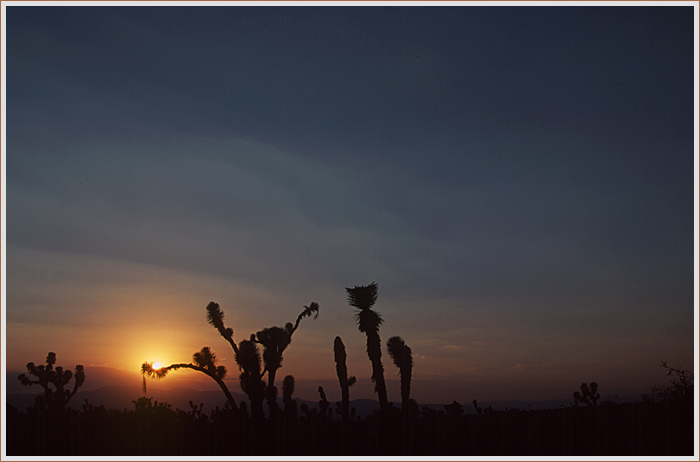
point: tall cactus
(274, 341)
(345, 381)
(400, 353)
(290, 406)
(368, 322)
(248, 359)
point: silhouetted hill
(122, 397)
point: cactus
(274, 341)
(368, 322)
(345, 381)
(204, 361)
(323, 405)
(47, 376)
(588, 394)
(290, 406)
(248, 359)
(400, 353)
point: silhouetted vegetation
(204, 361)
(588, 395)
(679, 391)
(401, 355)
(155, 428)
(53, 381)
(661, 424)
(368, 322)
(252, 365)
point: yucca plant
(215, 317)
(250, 363)
(274, 341)
(368, 322)
(47, 377)
(345, 382)
(204, 361)
(400, 353)
(290, 406)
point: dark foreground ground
(638, 429)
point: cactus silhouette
(215, 317)
(345, 381)
(588, 394)
(250, 363)
(290, 406)
(368, 322)
(47, 376)
(204, 361)
(274, 341)
(324, 408)
(400, 353)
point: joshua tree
(324, 408)
(215, 317)
(290, 406)
(204, 361)
(400, 353)
(588, 394)
(368, 322)
(249, 361)
(58, 397)
(345, 381)
(275, 340)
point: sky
(517, 180)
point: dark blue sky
(518, 180)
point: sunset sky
(518, 180)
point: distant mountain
(122, 397)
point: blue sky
(518, 181)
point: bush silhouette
(679, 391)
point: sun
(156, 365)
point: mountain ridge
(120, 397)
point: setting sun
(156, 365)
